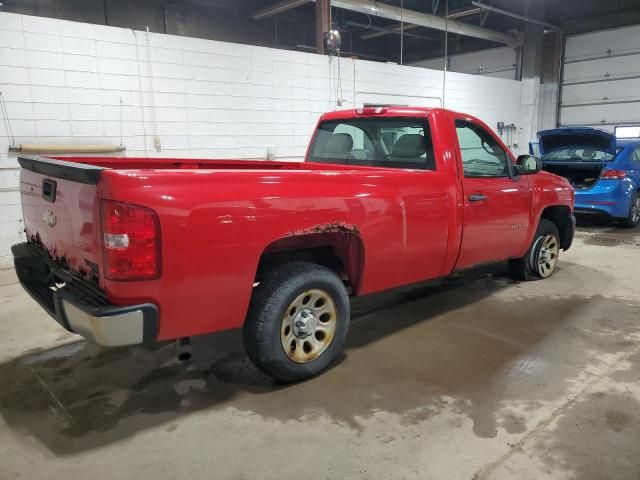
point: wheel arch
(561, 217)
(340, 251)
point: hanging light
(332, 41)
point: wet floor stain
(456, 347)
(596, 438)
(616, 420)
(630, 374)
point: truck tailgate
(61, 211)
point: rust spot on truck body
(333, 227)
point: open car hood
(576, 137)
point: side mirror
(528, 165)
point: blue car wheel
(633, 218)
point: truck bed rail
(75, 172)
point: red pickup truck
(131, 250)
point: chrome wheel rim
(635, 210)
(308, 326)
(547, 255)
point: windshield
(578, 155)
(375, 142)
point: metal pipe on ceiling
(464, 13)
(386, 31)
(379, 31)
(382, 10)
(279, 7)
(514, 15)
(372, 8)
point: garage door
(601, 79)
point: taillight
(611, 174)
(131, 241)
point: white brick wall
(494, 62)
(68, 82)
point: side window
(409, 146)
(636, 155)
(482, 155)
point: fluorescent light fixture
(630, 131)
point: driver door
(496, 202)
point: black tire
(633, 218)
(528, 267)
(270, 302)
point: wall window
(482, 155)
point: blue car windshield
(578, 155)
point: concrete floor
(478, 378)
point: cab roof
(387, 111)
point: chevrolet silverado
(131, 250)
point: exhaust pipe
(184, 349)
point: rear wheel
(632, 220)
(297, 322)
(541, 259)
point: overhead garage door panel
(618, 91)
(601, 78)
(603, 68)
(598, 114)
(618, 40)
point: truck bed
(141, 163)
(217, 218)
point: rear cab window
(376, 142)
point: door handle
(477, 197)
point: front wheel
(541, 259)
(632, 220)
(297, 321)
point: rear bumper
(592, 210)
(609, 198)
(79, 306)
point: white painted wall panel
(67, 82)
(494, 62)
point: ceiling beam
(464, 13)
(391, 12)
(386, 31)
(375, 9)
(323, 23)
(279, 7)
(489, 8)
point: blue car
(604, 170)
